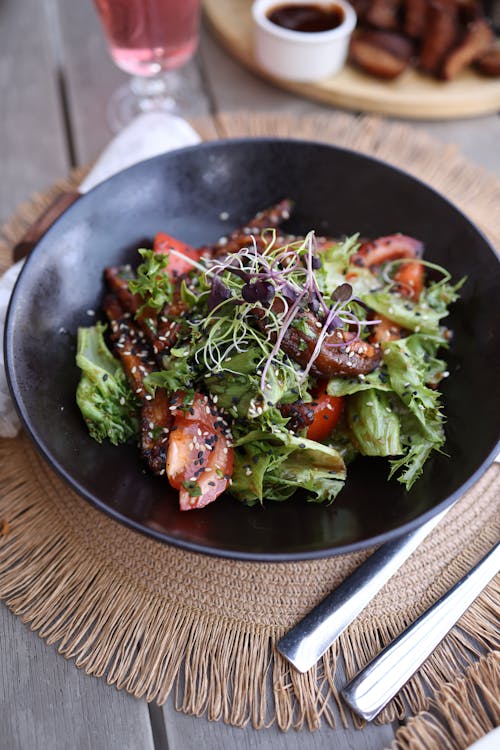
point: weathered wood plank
(32, 142)
(190, 733)
(48, 704)
(233, 88)
(91, 78)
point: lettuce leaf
(374, 423)
(103, 396)
(273, 466)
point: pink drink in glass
(149, 36)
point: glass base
(164, 93)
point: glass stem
(155, 92)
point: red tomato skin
(410, 280)
(193, 434)
(327, 413)
(386, 330)
(176, 266)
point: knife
(372, 688)
(310, 638)
(149, 134)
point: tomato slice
(177, 266)
(327, 411)
(386, 330)
(410, 279)
(200, 454)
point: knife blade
(150, 134)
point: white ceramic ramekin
(299, 55)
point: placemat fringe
(461, 712)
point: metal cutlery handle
(310, 638)
(378, 683)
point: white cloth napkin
(150, 134)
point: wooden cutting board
(412, 95)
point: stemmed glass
(151, 40)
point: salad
(265, 363)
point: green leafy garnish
(107, 404)
(152, 283)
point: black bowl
(185, 193)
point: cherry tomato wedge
(410, 279)
(177, 266)
(386, 330)
(327, 411)
(200, 455)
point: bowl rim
(231, 554)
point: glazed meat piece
(388, 248)
(132, 348)
(242, 237)
(301, 415)
(341, 352)
(116, 279)
(129, 344)
(381, 53)
(168, 322)
(415, 16)
(441, 34)
(156, 422)
(383, 14)
(489, 63)
(478, 39)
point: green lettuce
(237, 385)
(374, 423)
(103, 396)
(275, 465)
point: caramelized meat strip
(242, 237)
(117, 278)
(130, 345)
(478, 39)
(341, 352)
(156, 419)
(352, 357)
(386, 249)
(489, 63)
(383, 14)
(156, 422)
(169, 325)
(161, 331)
(442, 30)
(384, 54)
(415, 18)
(300, 415)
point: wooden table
(55, 78)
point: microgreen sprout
(277, 284)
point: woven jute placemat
(461, 713)
(151, 618)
